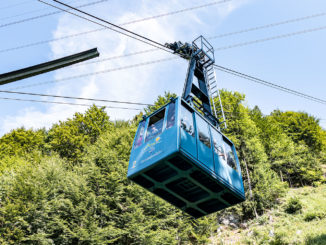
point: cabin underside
(183, 183)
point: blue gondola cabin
(181, 157)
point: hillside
(67, 184)
(300, 218)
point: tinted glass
(230, 157)
(140, 134)
(218, 144)
(155, 125)
(171, 116)
(187, 121)
(203, 132)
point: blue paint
(185, 168)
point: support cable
(138, 37)
(267, 26)
(97, 72)
(15, 5)
(75, 98)
(271, 38)
(221, 68)
(269, 84)
(171, 13)
(29, 12)
(68, 103)
(47, 14)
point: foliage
(44, 199)
(279, 227)
(293, 206)
(293, 160)
(70, 138)
(301, 128)
(21, 141)
(161, 101)
(265, 185)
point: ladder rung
(213, 87)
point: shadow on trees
(317, 240)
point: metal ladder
(214, 91)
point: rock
(225, 222)
(271, 233)
(243, 225)
(233, 225)
(270, 218)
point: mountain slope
(300, 218)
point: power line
(76, 98)
(218, 48)
(271, 38)
(138, 37)
(15, 5)
(221, 68)
(161, 46)
(67, 103)
(47, 14)
(163, 15)
(269, 84)
(96, 73)
(117, 57)
(29, 12)
(256, 28)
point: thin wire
(14, 5)
(102, 29)
(221, 68)
(271, 38)
(29, 12)
(269, 84)
(115, 57)
(47, 14)
(162, 15)
(76, 98)
(67, 103)
(224, 47)
(162, 47)
(96, 73)
(256, 28)
(110, 23)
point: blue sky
(295, 62)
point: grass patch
(300, 219)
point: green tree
(262, 184)
(292, 160)
(69, 138)
(161, 101)
(21, 147)
(301, 128)
(21, 141)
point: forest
(67, 184)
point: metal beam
(48, 66)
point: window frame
(229, 145)
(185, 107)
(148, 136)
(200, 128)
(169, 115)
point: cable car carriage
(179, 152)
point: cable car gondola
(179, 152)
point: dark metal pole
(48, 66)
